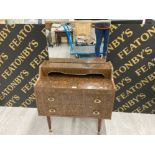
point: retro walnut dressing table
(75, 88)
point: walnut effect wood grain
(75, 88)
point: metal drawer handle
(52, 110)
(96, 113)
(51, 99)
(97, 101)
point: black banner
(132, 53)
(131, 50)
(22, 49)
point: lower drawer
(76, 111)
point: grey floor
(26, 120)
(62, 51)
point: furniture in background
(59, 35)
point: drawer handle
(52, 110)
(97, 101)
(51, 99)
(96, 113)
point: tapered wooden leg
(49, 123)
(99, 125)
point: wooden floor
(26, 120)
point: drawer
(73, 103)
(73, 98)
(77, 111)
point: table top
(76, 83)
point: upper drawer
(76, 97)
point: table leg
(56, 39)
(99, 125)
(59, 40)
(49, 123)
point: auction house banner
(22, 49)
(132, 53)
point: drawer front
(76, 103)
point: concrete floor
(26, 121)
